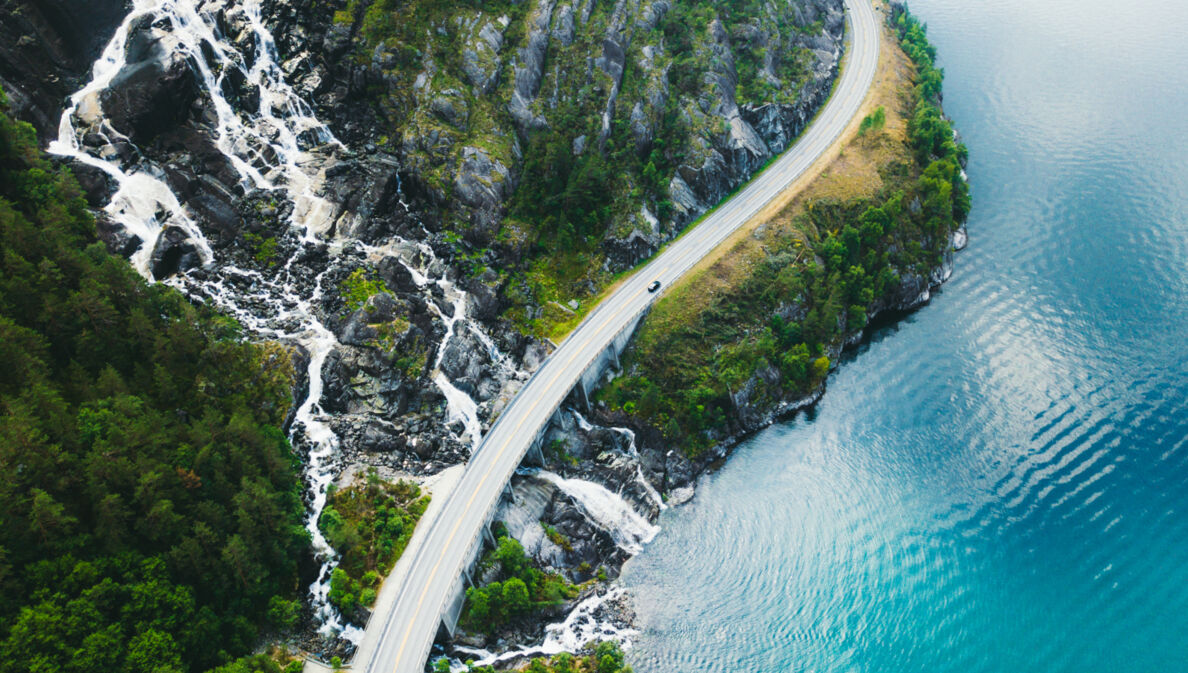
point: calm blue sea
(999, 483)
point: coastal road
(402, 636)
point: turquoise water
(998, 483)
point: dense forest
(150, 507)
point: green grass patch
(760, 330)
(360, 286)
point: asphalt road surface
(406, 632)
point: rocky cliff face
(46, 51)
(599, 127)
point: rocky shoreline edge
(611, 455)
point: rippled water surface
(1000, 481)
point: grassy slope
(762, 319)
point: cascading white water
(323, 443)
(461, 406)
(277, 147)
(144, 205)
(274, 147)
(633, 451)
(608, 510)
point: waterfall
(461, 406)
(653, 494)
(265, 147)
(633, 451)
(142, 202)
(608, 510)
(280, 145)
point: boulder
(465, 360)
(213, 204)
(155, 89)
(173, 253)
(480, 57)
(358, 381)
(357, 329)
(482, 297)
(115, 237)
(97, 184)
(482, 183)
(530, 68)
(366, 192)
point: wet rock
(47, 48)
(213, 204)
(912, 290)
(173, 253)
(360, 329)
(396, 275)
(482, 294)
(680, 496)
(465, 361)
(156, 88)
(375, 437)
(115, 237)
(98, 185)
(359, 381)
(367, 196)
(239, 90)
